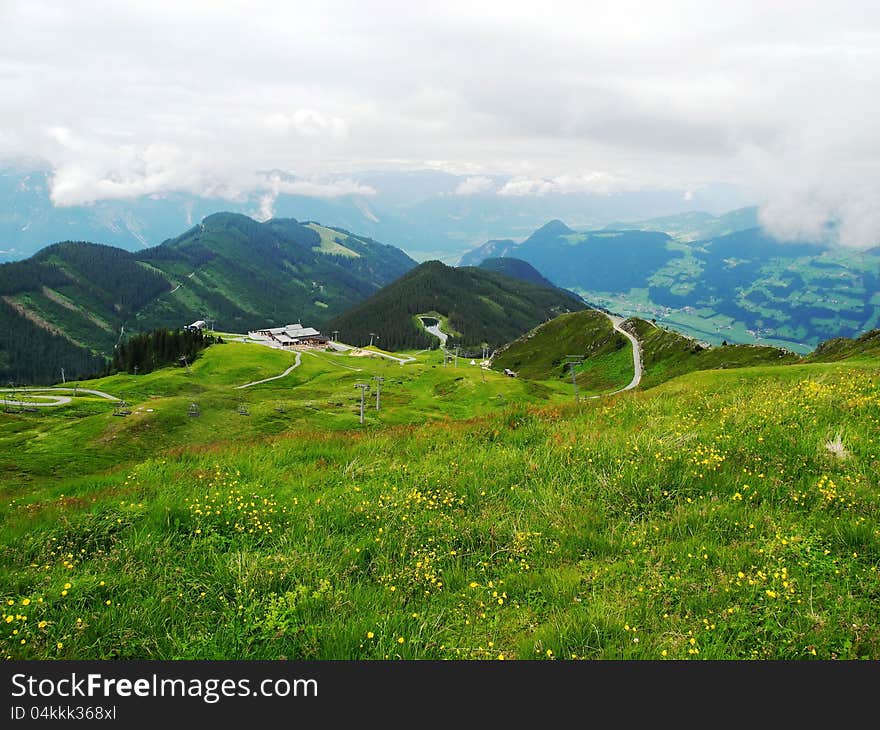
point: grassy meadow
(723, 514)
(53, 444)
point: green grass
(841, 348)
(319, 394)
(666, 354)
(701, 519)
(541, 354)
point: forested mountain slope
(479, 306)
(229, 269)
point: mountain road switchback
(637, 357)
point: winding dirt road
(274, 377)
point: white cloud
(593, 182)
(526, 186)
(88, 172)
(315, 188)
(65, 138)
(308, 123)
(474, 186)
(825, 215)
(780, 97)
(267, 207)
(276, 184)
(453, 167)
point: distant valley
(735, 285)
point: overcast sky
(130, 98)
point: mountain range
(72, 303)
(430, 213)
(702, 274)
(229, 268)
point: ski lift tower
(364, 387)
(379, 380)
(571, 362)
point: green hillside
(607, 356)
(229, 269)
(541, 354)
(483, 306)
(843, 348)
(82, 291)
(666, 354)
(31, 353)
(721, 515)
(244, 274)
(524, 271)
(65, 308)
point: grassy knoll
(667, 354)
(702, 519)
(703, 323)
(541, 354)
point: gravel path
(274, 377)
